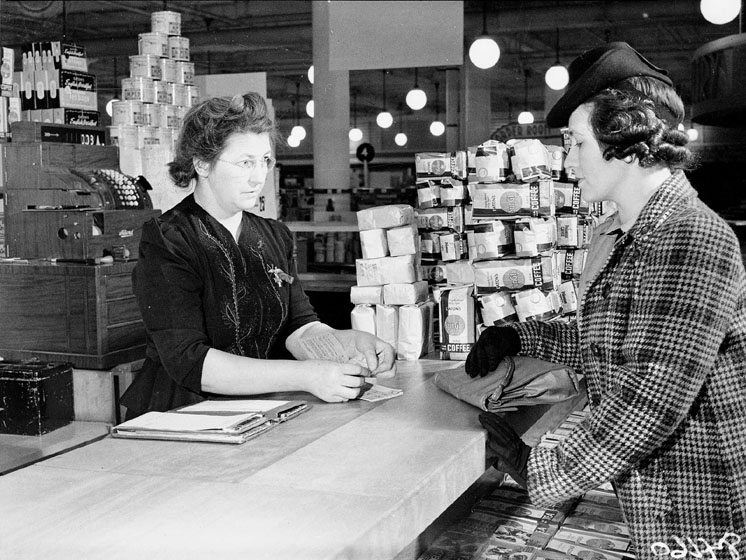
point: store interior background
(276, 38)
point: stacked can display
(503, 233)
(391, 299)
(160, 88)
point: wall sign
(365, 152)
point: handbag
(517, 381)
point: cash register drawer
(84, 314)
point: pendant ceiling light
(416, 98)
(293, 141)
(298, 131)
(720, 12)
(355, 133)
(557, 77)
(384, 118)
(526, 116)
(400, 139)
(110, 104)
(484, 51)
(437, 128)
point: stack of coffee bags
(515, 192)
(391, 300)
(574, 227)
(443, 215)
(158, 92)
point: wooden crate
(83, 314)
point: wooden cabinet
(84, 314)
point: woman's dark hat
(598, 69)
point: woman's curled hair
(208, 125)
(639, 117)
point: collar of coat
(671, 195)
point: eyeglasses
(248, 165)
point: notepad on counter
(218, 421)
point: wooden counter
(356, 481)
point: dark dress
(198, 289)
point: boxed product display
(390, 296)
(37, 397)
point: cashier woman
(660, 334)
(223, 308)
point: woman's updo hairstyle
(639, 117)
(208, 125)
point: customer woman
(661, 330)
(224, 311)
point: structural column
(331, 95)
(476, 108)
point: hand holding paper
(357, 347)
(328, 347)
(368, 350)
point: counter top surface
(352, 480)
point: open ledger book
(219, 421)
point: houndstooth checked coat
(661, 339)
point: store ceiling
(275, 37)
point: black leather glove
(512, 453)
(491, 347)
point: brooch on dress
(279, 276)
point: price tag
(86, 136)
(365, 152)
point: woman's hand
(491, 347)
(369, 351)
(333, 382)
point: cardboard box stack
(159, 90)
(390, 299)
(504, 234)
(54, 84)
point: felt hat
(598, 69)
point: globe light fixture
(416, 98)
(720, 12)
(557, 76)
(400, 139)
(525, 116)
(437, 128)
(109, 106)
(298, 131)
(293, 141)
(309, 108)
(693, 134)
(310, 73)
(355, 134)
(484, 52)
(384, 118)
